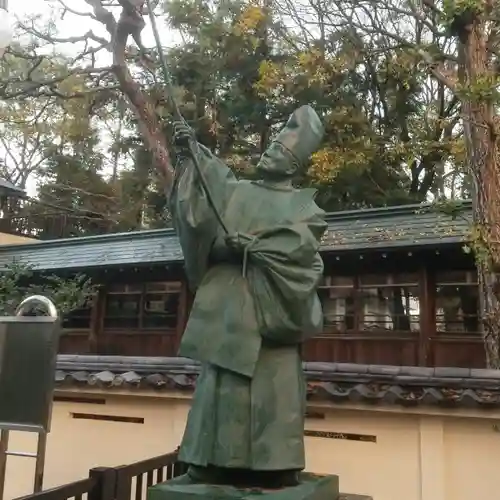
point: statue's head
(294, 145)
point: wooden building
(400, 288)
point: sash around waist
(222, 254)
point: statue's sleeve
(285, 269)
(193, 216)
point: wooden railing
(91, 488)
(127, 482)
(132, 481)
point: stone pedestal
(312, 487)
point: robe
(255, 303)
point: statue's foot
(243, 478)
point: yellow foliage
(327, 163)
(304, 70)
(313, 66)
(271, 75)
(345, 117)
(323, 165)
(457, 149)
(249, 20)
(316, 69)
(309, 59)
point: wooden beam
(427, 302)
(96, 319)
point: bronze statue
(255, 303)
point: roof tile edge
(389, 211)
(368, 213)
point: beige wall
(418, 455)
(12, 239)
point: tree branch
(131, 24)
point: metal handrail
(23, 306)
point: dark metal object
(28, 352)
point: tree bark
(131, 24)
(480, 129)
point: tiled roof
(134, 248)
(335, 382)
(382, 228)
(392, 227)
(6, 187)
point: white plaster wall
(419, 455)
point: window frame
(140, 290)
(471, 281)
(329, 329)
(387, 280)
(91, 302)
(391, 282)
(171, 288)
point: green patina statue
(255, 303)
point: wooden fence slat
(115, 483)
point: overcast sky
(73, 25)
(69, 26)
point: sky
(72, 26)
(69, 26)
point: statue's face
(277, 160)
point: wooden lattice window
(142, 306)
(337, 299)
(389, 302)
(79, 319)
(457, 303)
(160, 305)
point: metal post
(4, 445)
(40, 462)
(42, 435)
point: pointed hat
(302, 134)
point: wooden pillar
(96, 319)
(359, 306)
(427, 295)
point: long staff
(178, 117)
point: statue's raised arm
(195, 205)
